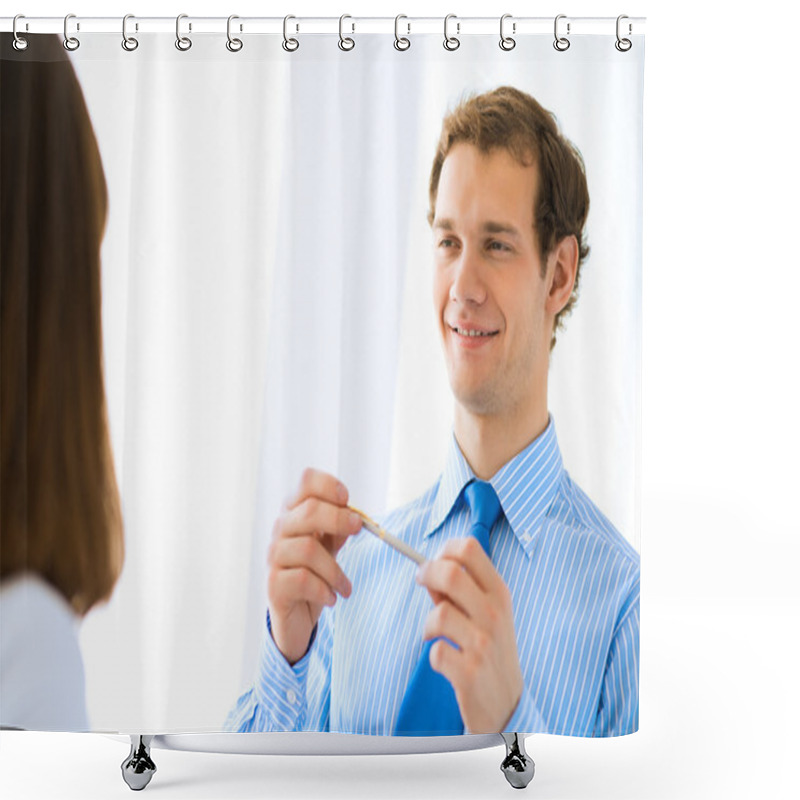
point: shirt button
(291, 696)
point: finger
(316, 483)
(309, 553)
(333, 544)
(447, 661)
(290, 586)
(468, 552)
(436, 597)
(449, 578)
(314, 515)
(450, 622)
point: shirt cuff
(526, 717)
(281, 688)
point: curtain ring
(128, 42)
(561, 43)
(19, 42)
(70, 42)
(183, 43)
(234, 45)
(507, 42)
(451, 42)
(401, 43)
(289, 45)
(623, 45)
(346, 43)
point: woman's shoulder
(41, 668)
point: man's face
(488, 287)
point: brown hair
(514, 121)
(60, 509)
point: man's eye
(446, 243)
(500, 246)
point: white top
(42, 684)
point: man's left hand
(473, 610)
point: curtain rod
(462, 26)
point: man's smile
(471, 336)
(469, 331)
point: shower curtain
(267, 307)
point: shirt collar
(526, 485)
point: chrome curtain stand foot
(138, 768)
(518, 766)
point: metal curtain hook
(561, 43)
(346, 43)
(451, 42)
(128, 42)
(234, 45)
(623, 45)
(290, 45)
(506, 42)
(19, 42)
(182, 42)
(70, 42)
(401, 43)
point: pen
(387, 537)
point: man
(536, 628)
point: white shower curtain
(267, 306)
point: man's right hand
(303, 576)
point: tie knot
(484, 505)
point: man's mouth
(473, 332)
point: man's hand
(303, 576)
(473, 609)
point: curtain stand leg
(138, 768)
(518, 766)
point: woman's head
(60, 509)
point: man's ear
(562, 267)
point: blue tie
(429, 706)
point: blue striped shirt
(574, 583)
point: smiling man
(525, 616)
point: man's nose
(468, 286)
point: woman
(61, 540)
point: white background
(720, 608)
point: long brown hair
(59, 503)
(512, 120)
